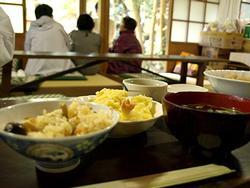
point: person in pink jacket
(126, 43)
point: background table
(71, 88)
(201, 61)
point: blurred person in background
(85, 41)
(46, 35)
(126, 43)
(7, 39)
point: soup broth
(211, 108)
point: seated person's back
(46, 35)
(126, 43)
(7, 39)
(85, 41)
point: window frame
(23, 5)
(188, 21)
(82, 8)
(241, 3)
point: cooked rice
(81, 119)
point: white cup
(149, 87)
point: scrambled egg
(134, 108)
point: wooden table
(151, 152)
(201, 61)
(73, 88)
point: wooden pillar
(170, 64)
(24, 16)
(103, 15)
(82, 6)
(104, 24)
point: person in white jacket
(46, 35)
(7, 39)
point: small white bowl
(52, 155)
(152, 88)
(130, 128)
(223, 82)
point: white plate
(174, 88)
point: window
(152, 19)
(152, 25)
(12, 1)
(245, 9)
(12, 9)
(189, 17)
(66, 12)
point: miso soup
(211, 108)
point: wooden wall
(19, 41)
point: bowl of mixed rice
(56, 133)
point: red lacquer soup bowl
(211, 123)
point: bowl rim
(208, 74)
(202, 111)
(61, 139)
(156, 103)
(161, 83)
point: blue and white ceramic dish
(52, 155)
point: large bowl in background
(52, 155)
(125, 129)
(210, 133)
(223, 82)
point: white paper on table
(240, 57)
